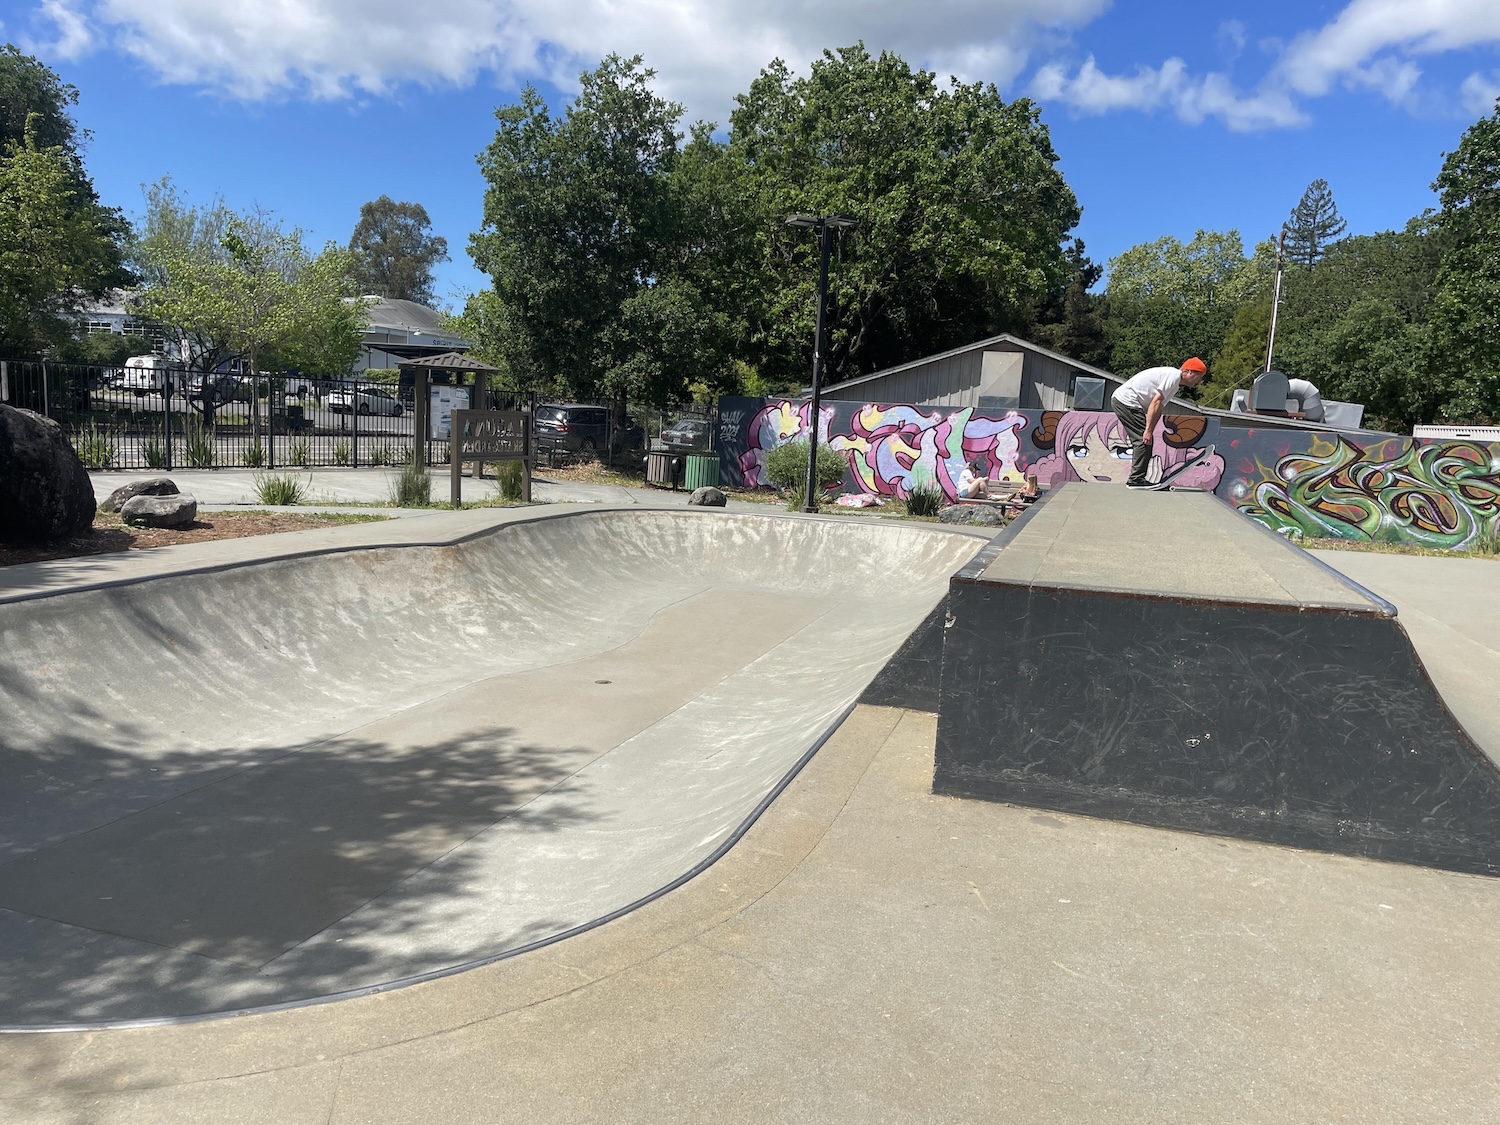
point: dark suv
(569, 428)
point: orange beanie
(1195, 364)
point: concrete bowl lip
(687, 876)
(503, 518)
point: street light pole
(824, 226)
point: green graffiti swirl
(1442, 495)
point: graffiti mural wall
(1323, 485)
(1333, 486)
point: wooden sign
(489, 435)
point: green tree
(1169, 299)
(1466, 319)
(170, 233)
(1072, 322)
(579, 232)
(1242, 355)
(962, 211)
(258, 292)
(1313, 225)
(61, 213)
(52, 251)
(394, 250)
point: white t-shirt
(966, 480)
(1137, 391)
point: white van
(146, 374)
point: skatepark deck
(1158, 658)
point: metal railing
(158, 418)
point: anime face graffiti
(1093, 446)
(1100, 453)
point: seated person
(973, 484)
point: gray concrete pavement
(324, 773)
(334, 487)
(870, 952)
(1451, 610)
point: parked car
(570, 428)
(689, 435)
(367, 401)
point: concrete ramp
(1157, 658)
(307, 777)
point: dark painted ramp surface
(1160, 659)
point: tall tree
(589, 245)
(1466, 320)
(1313, 225)
(962, 210)
(394, 250)
(60, 210)
(1170, 299)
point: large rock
(153, 486)
(980, 515)
(160, 511)
(45, 492)
(708, 497)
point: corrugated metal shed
(1003, 372)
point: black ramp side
(1160, 659)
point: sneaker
(1143, 484)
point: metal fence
(144, 418)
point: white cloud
(705, 52)
(1367, 29)
(1479, 92)
(73, 37)
(1370, 45)
(1170, 86)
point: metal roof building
(403, 330)
(1008, 373)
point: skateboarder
(1139, 403)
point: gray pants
(1134, 421)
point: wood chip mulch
(110, 534)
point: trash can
(702, 470)
(661, 468)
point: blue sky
(1167, 116)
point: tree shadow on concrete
(183, 905)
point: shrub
(297, 452)
(95, 447)
(382, 455)
(1488, 541)
(199, 445)
(925, 500)
(281, 490)
(786, 467)
(412, 486)
(341, 451)
(508, 481)
(254, 456)
(154, 450)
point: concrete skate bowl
(310, 777)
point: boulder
(45, 492)
(154, 486)
(708, 497)
(980, 515)
(177, 510)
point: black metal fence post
(166, 421)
